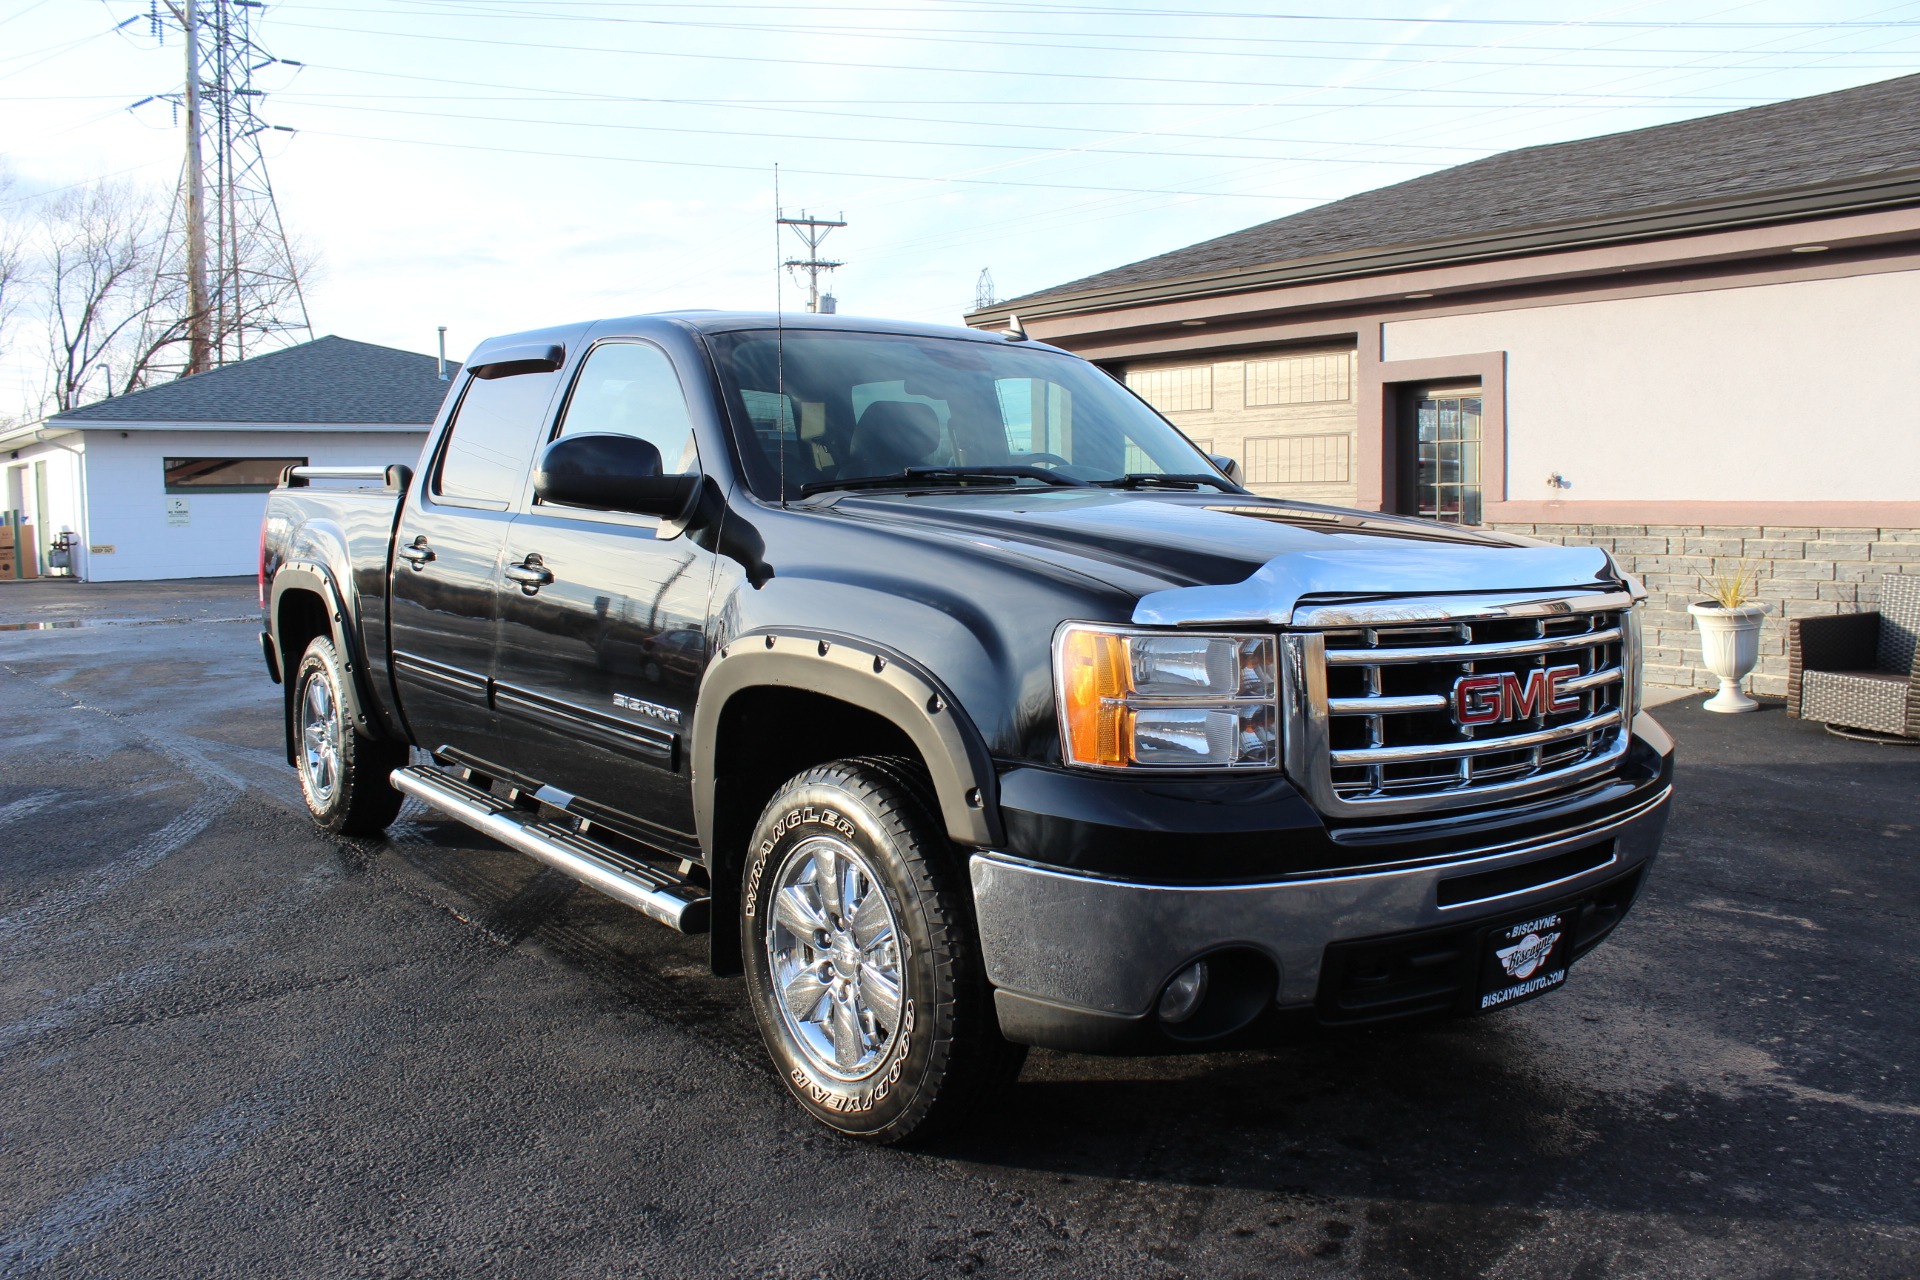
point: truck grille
(1378, 732)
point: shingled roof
(1806, 142)
(330, 380)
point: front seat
(891, 436)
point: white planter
(1730, 646)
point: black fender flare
(315, 579)
(868, 676)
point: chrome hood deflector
(1274, 590)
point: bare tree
(13, 260)
(98, 250)
(99, 271)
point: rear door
(448, 556)
(599, 662)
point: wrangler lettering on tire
(862, 968)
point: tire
(876, 1009)
(343, 772)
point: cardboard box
(10, 554)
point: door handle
(416, 553)
(531, 573)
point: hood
(1237, 558)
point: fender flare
(867, 676)
(315, 579)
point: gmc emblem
(1496, 699)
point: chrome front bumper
(1079, 945)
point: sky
(496, 165)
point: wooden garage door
(1288, 415)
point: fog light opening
(1184, 994)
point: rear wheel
(861, 961)
(343, 772)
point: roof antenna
(1015, 331)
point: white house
(170, 481)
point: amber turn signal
(1096, 679)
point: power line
(812, 173)
(842, 66)
(1027, 6)
(320, 99)
(803, 137)
(963, 36)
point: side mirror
(608, 472)
(1229, 465)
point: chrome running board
(656, 893)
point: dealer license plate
(1524, 958)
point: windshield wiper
(1156, 480)
(914, 477)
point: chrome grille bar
(1369, 729)
(1463, 653)
(1473, 746)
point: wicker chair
(1860, 670)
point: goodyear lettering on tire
(844, 1099)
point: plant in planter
(1729, 621)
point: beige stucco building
(1696, 344)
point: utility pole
(812, 231)
(193, 182)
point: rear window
(495, 431)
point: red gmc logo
(1496, 699)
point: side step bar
(648, 889)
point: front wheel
(861, 962)
(343, 773)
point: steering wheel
(1054, 458)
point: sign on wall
(179, 511)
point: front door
(447, 563)
(1439, 457)
(600, 659)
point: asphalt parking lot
(231, 1047)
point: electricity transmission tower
(812, 231)
(227, 261)
(983, 291)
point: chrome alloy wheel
(835, 958)
(320, 735)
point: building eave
(1900, 188)
(38, 432)
(261, 428)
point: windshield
(864, 407)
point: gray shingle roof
(1837, 136)
(334, 380)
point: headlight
(1166, 699)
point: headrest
(897, 428)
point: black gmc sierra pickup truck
(963, 701)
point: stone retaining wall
(1802, 572)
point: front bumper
(1079, 961)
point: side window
(630, 388)
(1037, 415)
(493, 436)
